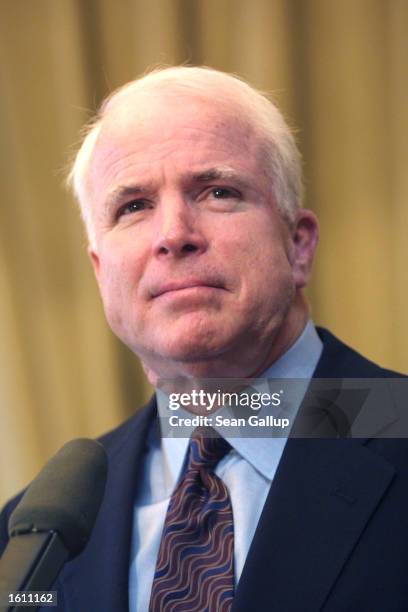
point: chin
(190, 352)
(190, 347)
(192, 339)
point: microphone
(55, 517)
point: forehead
(193, 131)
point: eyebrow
(220, 174)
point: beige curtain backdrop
(339, 71)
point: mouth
(185, 286)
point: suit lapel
(323, 494)
(98, 578)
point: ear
(304, 239)
(95, 261)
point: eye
(131, 207)
(221, 199)
(221, 193)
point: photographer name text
(222, 421)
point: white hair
(282, 158)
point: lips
(170, 286)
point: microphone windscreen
(66, 495)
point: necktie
(195, 565)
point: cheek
(255, 253)
(117, 276)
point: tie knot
(207, 448)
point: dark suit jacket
(333, 534)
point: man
(189, 183)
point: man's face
(194, 263)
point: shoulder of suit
(135, 426)
(340, 360)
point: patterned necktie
(195, 565)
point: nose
(178, 234)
